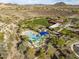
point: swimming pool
(33, 36)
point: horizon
(49, 2)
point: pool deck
(35, 37)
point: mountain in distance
(60, 4)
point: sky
(75, 2)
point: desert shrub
(1, 37)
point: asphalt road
(75, 49)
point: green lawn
(34, 23)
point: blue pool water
(43, 33)
(36, 37)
